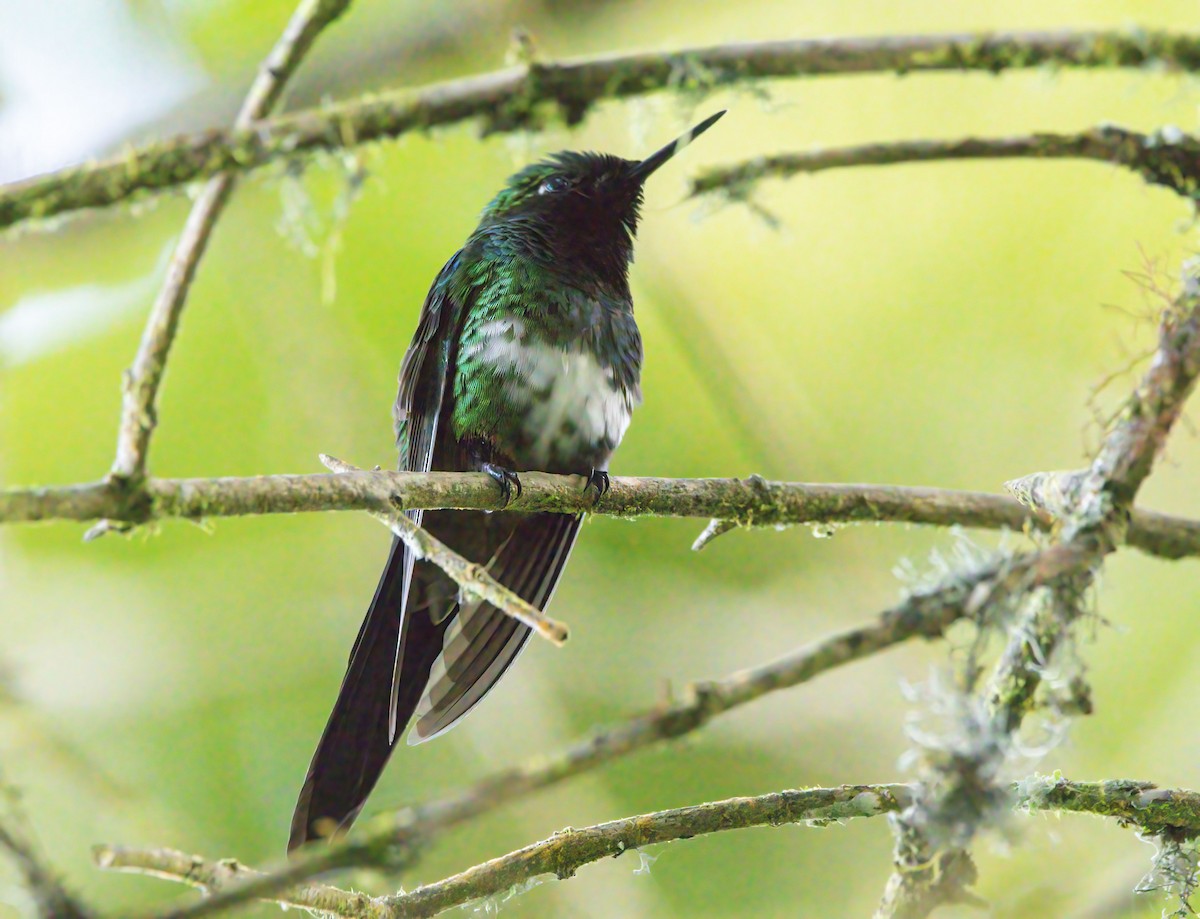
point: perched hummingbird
(526, 357)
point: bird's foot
(598, 479)
(506, 479)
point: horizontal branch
(749, 502)
(1168, 157)
(515, 99)
(1132, 803)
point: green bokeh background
(928, 325)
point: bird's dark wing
(526, 553)
(358, 737)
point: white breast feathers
(571, 402)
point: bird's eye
(551, 185)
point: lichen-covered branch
(932, 864)
(518, 98)
(1131, 803)
(143, 379)
(472, 577)
(1167, 157)
(1097, 523)
(751, 501)
(923, 615)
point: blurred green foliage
(936, 325)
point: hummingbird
(526, 357)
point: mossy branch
(1167, 157)
(216, 878)
(926, 614)
(519, 98)
(567, 851)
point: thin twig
(515, 99)
(473, 578)
(142, 380)
(752, 501)
(1168, 157)
(715, 527)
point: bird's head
(580, 205)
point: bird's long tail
(355, 745)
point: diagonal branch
(1098, 522)
(142, 380)
(394, 840)
(51, 897)
(1168, 157)
(747, 502)
(473, 578)
(514, 99)
(926, 615)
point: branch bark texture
(748, 502)
(1097, 519)
(394, 840)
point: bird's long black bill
(651, 163)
